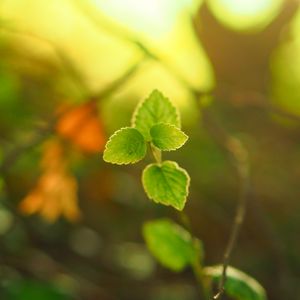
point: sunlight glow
(285, 70)
(165, 27)
(152, 17)
(97, 35)
(248, 15)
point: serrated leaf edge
(109, 140)
(142, 102)
(178, 168)
(171, 125)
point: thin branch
(197, 265)
(257, 99)
(66, 64)
(111, 88)
(239, 157)
(282, 113)
(103, 23)
(238, 221)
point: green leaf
(155, 109)
(167, 137)
(170, 244)
(238, 285)
(166, 183)
(125, 146)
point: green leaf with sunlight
(167, 137)
(125, 146)
(238, 285)
(155, 109)
(171, 244)
(166, 183)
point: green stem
(197, 265)
(156, 153)
(197, 270)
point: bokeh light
(285, 67)
(245, 15)
(154, 18)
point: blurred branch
(66, 64)
(239, 157)
(95, 18)
(197, 265)
(39, 136)
(111, 88)
(282, 113)
(255, 99)
(103, 23)
(42, 133)
(72, 71)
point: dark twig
(239, 156)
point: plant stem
(197, 265)
(239, 156)
(156, 153)
(197, 270)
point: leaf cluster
(155, 125)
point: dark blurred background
(71, 73)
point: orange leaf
(55, 193)
(82, 127)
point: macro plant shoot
(149, 149)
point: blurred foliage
(285, 69)
(32, 290)
(71, 73)
(247, 15)
(171, 244)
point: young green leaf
(125, 146)
(170, 244)
(166, 183)
(167, 137)
(238, 285)
(155, 109)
